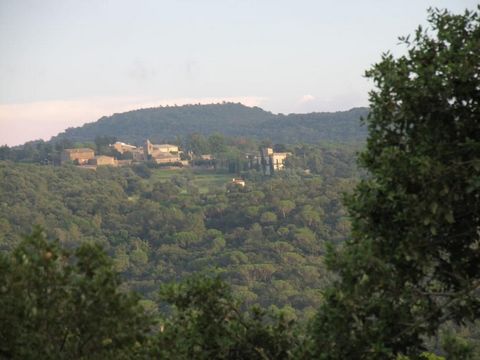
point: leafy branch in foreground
(56, 304)
(207, 323)
(414, 258)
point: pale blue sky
(67, 62)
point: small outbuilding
(239, 182)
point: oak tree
(413, 261)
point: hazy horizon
(66, 63)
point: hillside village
(168, 155)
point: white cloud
(306, 98)
(23, 122)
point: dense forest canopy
(166, 123)
(267, 239)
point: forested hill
(165, 123)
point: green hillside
(267, 239)
(166, 123)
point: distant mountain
(231, 119)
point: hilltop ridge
(231, 119)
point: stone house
(121, 147)
(101, 160)
(166, 158)
(156, 150)
(79, 156)
(271, 161)
(278, 160)
(161, 153)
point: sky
(67, 62)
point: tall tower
(147, 149)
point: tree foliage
(413, 261)
(166, 123)
(57, 304)
(208, 323)
(409, 273)
(162, 225)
